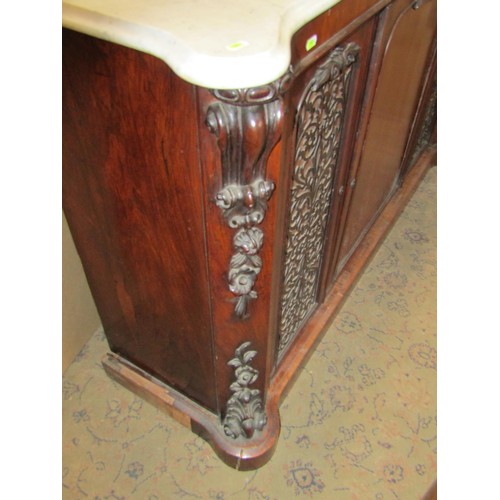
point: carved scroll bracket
(245, 412)
(247, 125)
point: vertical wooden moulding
(239, 146)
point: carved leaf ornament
(244, 413)
(244, 207)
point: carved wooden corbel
(247, 124)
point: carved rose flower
(248, 241)
(242, 283)
(246, 375)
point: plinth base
(239, 454)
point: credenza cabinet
(219, 229)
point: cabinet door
(405, 39)
(423, 133)
(322, 116)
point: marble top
(212, 43)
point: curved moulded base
(240, 454)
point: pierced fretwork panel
(320, 120)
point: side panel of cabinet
(132, 197)
(404, 46)
(321, 120)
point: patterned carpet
(359, 423)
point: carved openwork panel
(319, 124)
(427, 127)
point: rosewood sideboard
(229, 168)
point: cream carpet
(359, 423)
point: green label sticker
(237, 45)
(311, 42)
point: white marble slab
(211, 43)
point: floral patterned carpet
(359, 423)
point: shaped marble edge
(222, 44)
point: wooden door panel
(325, 100)
(408, 37)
